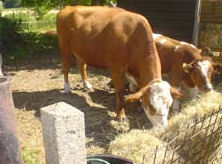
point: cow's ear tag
(185, 68)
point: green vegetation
(42, 7)
(22, 33)
(30, 156)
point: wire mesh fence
(38, 25)
(28, 20)
(199, 143)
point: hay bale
(180, 127)
(191, 111)
(137, 143)
(210, 35)
(92, 150)
(120, 126)
(140, 146)
(217, 156)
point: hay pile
(135, 144)
(139, 146)
(191, 111)
(210, 35)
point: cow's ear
(187, 67)
(138, 95)
(176, 93)
(217, 68)
(133, 97)
(206, 51)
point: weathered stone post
(64, 134)
(9, 146)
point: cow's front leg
(118, 82)
(82, 68)
(133, 87)
(133, 84)
(193, 92)
(176, 105)
(174, 82)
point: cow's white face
(156, 99)
(200, 73)
(205, 71)
(157, 103)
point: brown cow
(184, 64)
(119, 40)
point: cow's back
(174, 53)
(102, 36)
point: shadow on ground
(96, 106)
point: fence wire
(199, 143)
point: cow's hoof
(122, 120)
(88, 86)
(68, 92)
(67, 88)
(90, 89)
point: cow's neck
(150, 69)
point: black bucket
(108, 159)
(9, 145)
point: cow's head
(156, 100)
(200, 71)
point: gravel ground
(38, 82)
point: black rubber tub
(108, 159)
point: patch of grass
(30, 156)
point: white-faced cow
(121, 41)
(184, 65)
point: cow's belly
(96, 62)
(92, 58)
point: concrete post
(64, 134)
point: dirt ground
(37, 82)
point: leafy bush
(9, 30)
(42, 7)
(12, 26)
(20, 35)
(38, 42)
(12, 3)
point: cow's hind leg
(66, 56)
(82, 68)
(118, 81)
